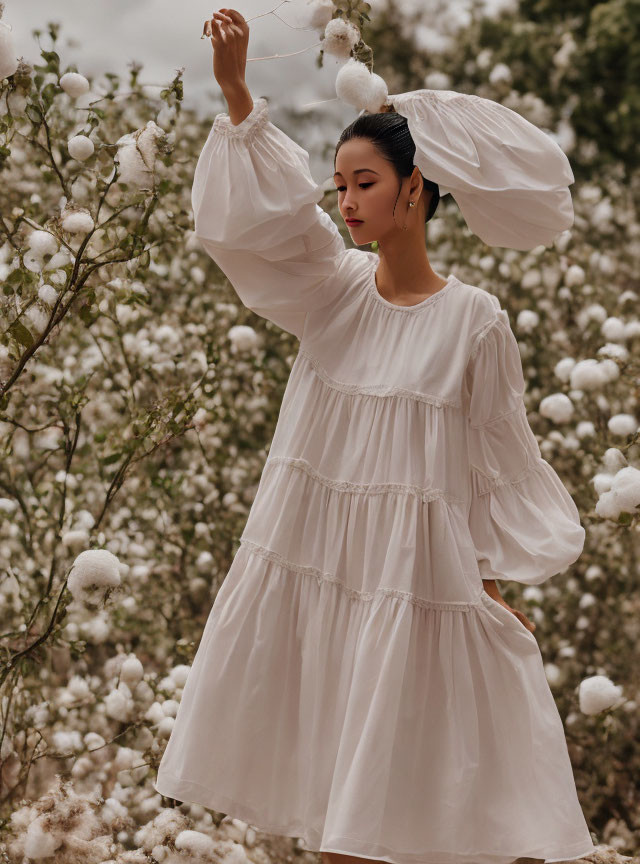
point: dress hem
(239, 810)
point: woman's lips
(353, 221)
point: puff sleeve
(509, 178)
(257, 216)
(524, 524)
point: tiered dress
(355, 686)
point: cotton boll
(42, 243)
(626, 489)
(574, 276)
(527, 320)
(556, 407)
(320, 13)
(170, 707)
(77, 221)
(586, 601)
(613, 459)
(585, 429)
(597, 693)
(195, 843)
(60, 259)
(236, 855)
(32, 262)
(607, 507)
(8, 59)
(613, 329)
(93, 569)
(500, 72)
(610, 370)
(562, 369)
(179, 674)
(437, 80)
(610, 349)
(165, 727)
(356, 86)
(67, 742)
(80, 147)
(74, 84)
(243, 338)
(623, 424)
(48, 294)
(39, 842)
(75, 539)
(555, 675)
(340, 37)
(587, 375)
(602, 482)
(131, 671)
(78, 687)
(116, 705)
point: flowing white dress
(355, 686)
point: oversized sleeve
(257, 215)
(524, 523)
(509, 178)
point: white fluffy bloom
(563, 368)
(117, 705)
(358, 87)
(500, 72)
(93, 570)
(613, 329)
(340, 37)
(195, 843)
(179, 674)
(77, 221)
(40, 843)
(32, 262)
(74, 84)
(137, 153)
(527, 320)
(557, 407)
(613, 459)
(80, 147)
(622, 424)
(437, 80)
(48, 294)
(8, 58)
(554, 674)
(67, 742)
(243, 337)
(320, 13)
(588, 375)
(598, 693)
(575, 275)
(42, 243)
(131, 671)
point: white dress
(355, 686)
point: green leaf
(21, 334)
(113, 457)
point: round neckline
(373, 289)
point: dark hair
(389, 132)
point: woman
(360, 682)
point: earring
(411, 204)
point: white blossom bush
(138, 397)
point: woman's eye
(361, 185)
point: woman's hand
(491, 588)
(520, 616)
(229, 34)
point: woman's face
(367, 190)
